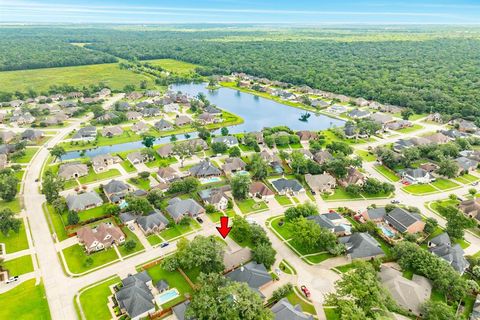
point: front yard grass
(283, 229)
(418, 189)
(153, 239)
(366, 155)
(128, 166)
(75, 257)
(318, 257)
(94, 177)
(15, 241)
(413, 128)
(340, 194)
(467, 178)
(13, 205)
(177, 230)
(249, 205)
(129, 235)
(283, 200)
(94, 300)
(346, 267)
(294, 299)
(140, 183)
(174, 279)
(215, 216)
(29, 153)
(26, 301)
(387, 173)
(444, 184)
(19, 265)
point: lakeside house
(72, 170)
(102, 162)
(83, 201)
(204, 169)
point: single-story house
(260, 190)
(86, 133)
(361, 245)
(404, 221)
(112, 131)
(178, 208)
(155, 221)
(354, 177)
(321, 182)
(306, 135)
(284, 310)
(72, 170)
(163, 125)
(204, 169)
(83, 201)
(322, 156)
(101, 162)
(441, 246)
(471, 208)
(233, 165)
(167, 174)
(165, 151)
(116, 190)
(101, 237)
(135, 296)
(417, 176)
(438, 138)
(3, 161)
(374, 214)
(358, 114)
(138, 157)
(31, 135)
(332, 222)
(6, 136)
(255, 275)
(182, 120)
(466, 165)
(284, 186)
(230, 141)
(140, 127)
(381, 118)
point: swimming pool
(166, 296)
(242, 173)
(387, 231)
(210, 180)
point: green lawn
(366, 155)
(94, 177)
(331, 314)
(129, 168)
(140, 183)
(29, 153)
(177, 230)
(283, 200)
(319, 257)
(129, 235)
(419, 189)
(91, 213)
(94, 300)
(387, 173)
(153, 239)
(26, 301)
(13, 205)
(15, 241)
(467, 178)
(57, 222)
(444, 184)
(215, 217)
(443, 203)
(413, 128)
(286, 267)
(173, 65)
(76, 257)
(19, 265)
(42, 79)
(294, 299)
(282, 230)
(249, 205)
(340, 194)
(346, 267)
(174, 279)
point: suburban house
(155, 221)
(150, 112)
(465, 165)
(288, 186)
(404, 221)
(417, 176)
(206, 118)
(374, 214)
(438, 138)
(255, 275)
(337, 109)
(321, 182)
(87, 133)
(306, 135)
(163, 125)
(167, 174)
(197, 144)
(269, 158)
(72, 170)
(361, 245)
(212, 110)
(230, 141)
(358, 114)
(83, 201)
(333, 222)
(284, 310)
(165, 151)
(140, 127)
(434, 117)
(101, 162)
(215, 197)
(204, 169)
(322, 156)
(133, 115)
(6, 136)
(183, 120)
(466, 126)
(178, 208)
(354, 177)
(138, 157)
(31, 135)
(101, 237)
(233, 165)
(399, 124)
(112, 131)
(429, 167)
(471, 208)
(3, 161)
(135, 297)
(409, 294)
(260, 190)
(171, 107)
(441, 246)
(116, 190)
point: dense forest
(425, 69)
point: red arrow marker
(224, 229)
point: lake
(257, 112)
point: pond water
(257, 113)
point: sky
(302, 12)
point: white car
(12, 279)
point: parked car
(199, 219)
(305, 291)
(475, 183)
(12, 279)
(164, 244)
(395, 201)
(131, 227)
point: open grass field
(94, 300)
(26, 301)
(19, 265)
(387, 173)
(41, 79)
(173, 65)
(15, 241)
(76, 257)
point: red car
(305, 291)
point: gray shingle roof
(152, 220)
(284, 310)
(254, 274)
(453, 255)
(361, 245)
(376, 213)
(135, 296)
(115, 186)
(401, 219)
(284, 184)
(204, 169)
(78, 202)
(177, 208)
(322, 221)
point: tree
(359, 294)
(148, 141)
(340, 147)
(282, 292)
(448, 168)
(9, 222)
(299, 163)
(430, 225)
(224, 131)
(51, 186)
(437, 310)
(406, 113)
(219, 147)
(472, 192)
(138, 205)
(225, 300)
(60, 205)
(306, 234)
(203, 133)
(144, 175)
(73, 218)
(8, 185)
(240, 229)
(57, 152)
(353, 189)
(112, 209)
(240, 186)
(264, 253)
(302, 210)
(234, 152)
(457, 222)
(187, 185)
(183, 150)
(88, 262)
(130, 245)
(258, 167)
